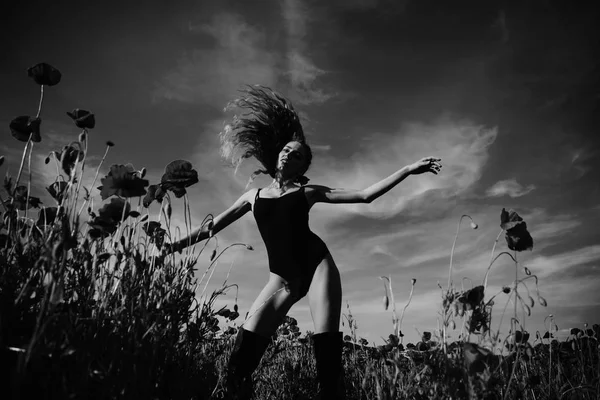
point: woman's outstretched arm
(325, 194)
(226, 218)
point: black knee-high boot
(328, 354)
(246, 354)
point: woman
(299, 260)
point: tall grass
(92, 305)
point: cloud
(571, 262)
(509, 187)
(301, 69)
(461, 144)
(212, 76)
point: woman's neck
(281, 183)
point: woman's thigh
(325, 296)
(271, 306)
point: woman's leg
(272, 305)
(325, 300)
(325, 296)
(265, 315)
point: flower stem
(454, 245)
(94, 181)
(491, 257)
(21, 166)
(41, 101)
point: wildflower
(44, 74)
(83, 119)
(70, 156)
(109, 217)
(46, 216)
(155, 232)
(517, 236)
(155, 192)
(24, 127)
(472, 297)
(22, 200)
(122, 181)
(178, 175)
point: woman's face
(292, 159)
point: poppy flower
(24, 127)
(21, 200)
(517, 236)
(472, 297)
(109, 218)
(155, 232)
(69, 157)
(155, 192)
(46, 216)
(44, 74)
(122, 181)
(57, 190)
(178, 175)
(83, 118)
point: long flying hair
(267, 125)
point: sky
(506, 93)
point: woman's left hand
(427, 164)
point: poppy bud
(249, 247)
(109, 143)
(453, 324)
(531, 302)
(474, 225)
(2, 160)
(542, 301)
(44, 74)
(413, 281)
(83, 137)
(143, 172)
(213, 255)
(527, 271)
(235, 307)
(506, 289)
(386, 302)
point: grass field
(92, 306)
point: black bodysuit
(294, 250)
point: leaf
(46, 216)
(44, 74)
